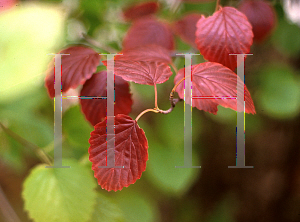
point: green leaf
(35, 130)
(224, 211)
(279, 93)
(29, 33)
(166, 150)
(162, 173)
(225, 115)
(171, 126)
(60, 194)
(144, 93)
(286, 38)
(77, 128)
(106, 210)
(43, 156)
(13, 158)
(91, 13)
(136, 207)
(206, 8)
(25, 115)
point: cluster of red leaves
(145, 59)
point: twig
(39, 152)
(173, 103)
(156, 109)
(97, 44)
(217, 5)
(7, 210)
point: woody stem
(217, 5)
(97, 44)
(37, 150)
(173, 102)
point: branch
(39, 152)
(7, 211)
(97, 44)
(217, 5)
(173, 103)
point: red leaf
(147, 53)
(186, 28)
(226, 32)
(76, 68)
(146, 31)
(212, 79)
(141, 72)
(262, 17)
(140, 10)
(131, 151)
(95, 109)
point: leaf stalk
(39, 152)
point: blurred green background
(30, 30)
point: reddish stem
(155, 91)
(217, 5)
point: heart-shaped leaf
(76, 68)
(146, 31)
(209, 80)
(226, 32)
(95, 109)
(106, 210)
(147, 73)
(56, 194)
(131, 151)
